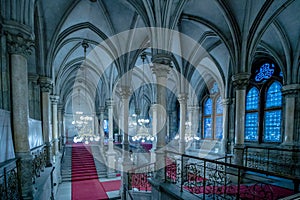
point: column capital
(18, 44)
(162, 58)
(60, 107)
(227, 101)
(125, 92)
(290, 90)
(110, 102)
(46, 84)
(54, 99)
(33, 78)
(102, 109)
(160, 70)
(240, 81)
(182, 98)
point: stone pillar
(290, 93)
(96, 124)
(110, 152)
(240, 82)
(225, 103)
(46, 86)
(54, 100)
(60, 112)
(161, 72)
(154, 131)
(126, 162)
(193, 112)
(101, 126)
(19, 49)
(182, 98)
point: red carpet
(85, 183)
(111, 185)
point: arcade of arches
(188, 93)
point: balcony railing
(138, 177)
(216, 179)
(9, 185)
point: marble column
(46, 86)
(60, 113)
(161, 72)
(19, 49)
(154, 131)
(126, 162)
(101, 124)
(226, 103)
(290, 93)
(54, 100)
(182, 98)
(193, 113)
(240, 82)
(110, 152)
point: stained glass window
(274, 97)
(207, 128)
(251, 126)
(272, 126)
(265, 72)
(208, 107)
(219, 127)
(252, 99)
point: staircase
(66, 164)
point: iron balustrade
(38, 161)
(9, 185)
(214, 179)
(279, 160)
(138, 177)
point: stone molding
(18, 44)
(54, 99)
(164, 59)
(160, 70)
(182, 98)
(291, 90)
(46, 84)
(240, 81)
(102, 109)
(125, 92)
(227, 101)
(110, 103)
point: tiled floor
(64, 190)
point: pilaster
(54, 100)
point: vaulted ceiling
(232, 33)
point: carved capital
(164, 59)
(291, 90)
(125, 92)
(110, 103)
(60, 108)
(46, 84)
(54, 99)
(182, 98)
(240, 81)
(18, 44)
(102, 109)
(160, 70)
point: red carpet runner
(85, 183)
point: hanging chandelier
(143, 134)
(188, 136)
(83, 122)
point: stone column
(182, 98)
(290, 93)
(96, 124)
(161, 72)
(46, 86)
(126, 162)
(154, 131)
(225, 103)
(240, 82)
(19, 49)
(60, 113)
(110, 152)
(101, 126)
(194, 119)
(54, 100)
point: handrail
(239, 167)
(142, 166)
(38, 147)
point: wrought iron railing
(38, 161)
(9, 186)
(138, 177)
(283, 161)
(214, 179)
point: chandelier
(82, 122)
(143, 134)
(188, 136)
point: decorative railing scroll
(9, 186)
(138, 178)
(38, 161)
(216, 179)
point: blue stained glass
(207, 128)
(214, 89)
(252, 99)
(219, 127)
(251, 126)
(272, 126)
(274, 97)
(265, 72)
(208, 107)
(219, 106)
